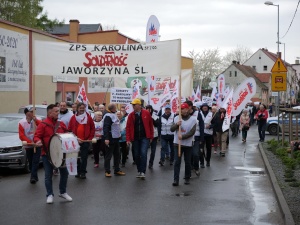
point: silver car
(12, 154)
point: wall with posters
(16, 72)
(14, 67)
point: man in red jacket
(82, 125)
(139, 132)
(42, 136)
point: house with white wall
(236, 73)
(262, 62)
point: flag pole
(179, 97)
(32, 68)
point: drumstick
(94, 140)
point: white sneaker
(66, 196)
(138, 175)
(50, 199)
(142, 176)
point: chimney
(74, 30)
(233, 62)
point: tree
(207, 65)
(27, 13)
(239, 54)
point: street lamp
(272, 4)
(278, 54)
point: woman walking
(244, 124)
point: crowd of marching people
(194, 134)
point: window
(230, 74)
(265, 68)
(254, 67)
(235, 73)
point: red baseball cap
(184, 106)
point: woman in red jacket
(261, 117)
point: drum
(62, 146)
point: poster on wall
(14, 61)
(100, 84)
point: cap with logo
(28, 109)
(168, 106)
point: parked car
(272, 123)
(12, 153)
(39, 109)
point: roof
(248, 71)
(273, 56)
(264, 77)
(33, 30)
(83, 28)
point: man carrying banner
(139, 132)
(42, 136)
(82, 125)
(185, 138)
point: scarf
(81, 119)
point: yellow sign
(279, 67)
(278, 81)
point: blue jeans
(140, 148)
(33, 160)
(153, 150)
(262, 130)
(48, 177)
(84, 153)
(166, 142)
(187, 152)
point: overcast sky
(222, 24)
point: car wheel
(273, 129)
(26, 167)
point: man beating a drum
(42, 136)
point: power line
(292, 20)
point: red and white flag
(82, 97)
(166, 95)
(151, 80)
(136, 91)
(221, 84)
(198, 93)
(227, 104)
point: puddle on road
(257, 171)
(184, 194)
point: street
(234, 190)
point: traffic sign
(278, 81)
(279, 67)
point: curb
(284, 208)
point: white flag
(198, 93)
(136, 91)
(166, 95)
(82, 97)
(227, 104)
(151, 80)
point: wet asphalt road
(234, 190)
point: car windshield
(9, 124)
(38, 111)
